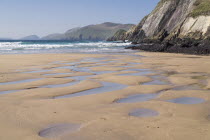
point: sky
(21, 18)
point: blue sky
(41, 17)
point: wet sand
(156, 96)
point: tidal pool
(76, 78)
(37, 71)
(143, 73)
(155, 82)
(54, 74)
(66, 67)
(107, 87)
(9, 91)
(187, 100)
(137, 98)
(59, 130)
(21, 81)
(61, 85)
(143, 113)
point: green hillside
(92, 32)
(202, 7)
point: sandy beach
(145, 96)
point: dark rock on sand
(188, 46)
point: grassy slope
(98, 32)
(202, 7)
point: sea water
(43, 46)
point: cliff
(91, 32)
(119, 35)
(173, 20)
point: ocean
(34, 47)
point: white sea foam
(37, 46)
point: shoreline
(40, 113)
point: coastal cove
(105, 70)
(136, 95)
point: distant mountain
(55, 36)
(31, 37)
(6, 39)
(91, 32)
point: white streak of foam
(21, 46)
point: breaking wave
(56, 45)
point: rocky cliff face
(173, 19)
(119, 35)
